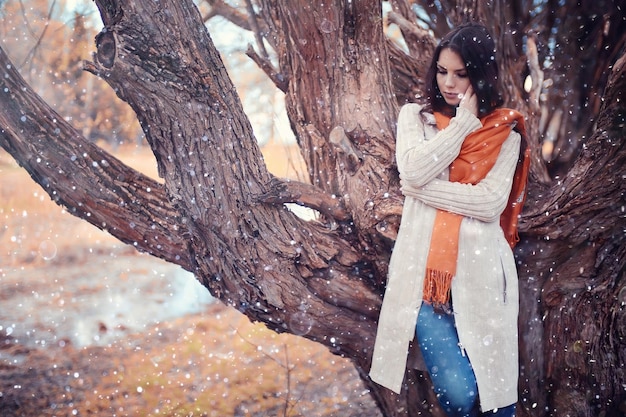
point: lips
(451, 96)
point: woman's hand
(469, 101)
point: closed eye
(458, 73)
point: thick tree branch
(261, 259)
(89, 182)
(307, 195)
(567, 213)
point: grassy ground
(210, 363)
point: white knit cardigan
(485, 288)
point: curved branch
(221, 8)
(279, 80)
(419, 41)
(89, 182)
(307, 195)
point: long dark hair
(477, 49)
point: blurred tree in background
(48, 42)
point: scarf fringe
(437, 287)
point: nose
(449, 80)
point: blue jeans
(449, 368)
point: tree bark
(218, 212)
(91, 183)
(291, 274)
(572, 268)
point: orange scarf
(478, 155)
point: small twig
(536, 74)
(286, 410)
(279, 79)
(255, 29)
(221, 8)
(289, 405)
(32, 51)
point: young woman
(452, 282)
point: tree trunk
(219, 212)
(572, 264)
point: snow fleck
(47, 250)
(327, 26)
(301, 323)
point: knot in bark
(106, 45)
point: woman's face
(452, 78)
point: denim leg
(450, 370)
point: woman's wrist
(466, 117)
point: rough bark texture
(219, 212)
(91, 183)
(572, 267)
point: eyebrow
(444, 68)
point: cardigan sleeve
(420, 160)
(484, 201)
